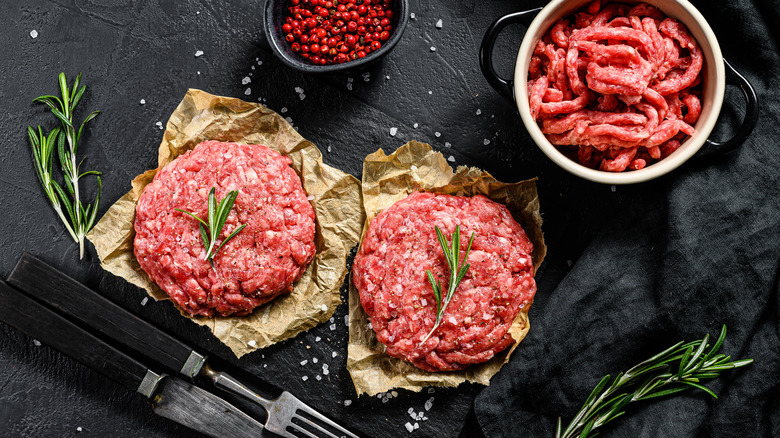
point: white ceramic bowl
(713, 85)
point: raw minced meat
(262, 261)
(390, 275)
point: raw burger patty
(389, 273)
(259, 263)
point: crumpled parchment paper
(390, 178)
(336, 200)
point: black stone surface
(145, 49)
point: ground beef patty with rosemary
(259, 263)
(390, 274)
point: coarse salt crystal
(259, 62)
(393, 131)
(479, 111)
(424, 302)
(198, 72)
(314, 360)
(346, 320)
(246, 80)
(387, 77)
(431, 391)
(409, 427)
(437, 134)
(317, 339)
(304, 362)
(349, 86)
(613, 188)
(447, 144)
(332, 319)
(328, 149)
(143, 102)
(416, 425)
(318, 377)
(414, 168)
(326, 371)
(299, 90)
(370, 327)
(429, 403)
(199, 53)
(302, 96)
(305, 378)
(36, 342)
(144, 301)
(284, 109)
(394, 393)
(439, 24)
(347, 402)
(451, 159)
(410, 411)
(248, 91)
(433, 49)
(324, 308)
(334, 354)
(333, 327)
(416, 125)
(288, 120)
(79, 429)
(252, 343)
(385, 399)
(412, 16)
(430, 92)
(33, 34)
(486, 142)
(311, 198)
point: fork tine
(299, 429)
(316, 426)
(329, 422)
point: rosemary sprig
(217, 215)
(678, 368)
(80, 216)
(452, 255)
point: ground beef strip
(259, 263)
(390, 275)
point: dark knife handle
(69, 297)
(46, 326)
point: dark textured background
(145, 49)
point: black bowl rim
(301, 65)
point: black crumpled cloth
(694, 250)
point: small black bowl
(274, 18)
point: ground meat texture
(389, 273)
(262, 261)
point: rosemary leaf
(659, 375)
(217, 215)
(452, 256)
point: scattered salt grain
(414, 168)
(332, 327)
(409, 427)
(613, 188)
(248, 91)
(318, 377)
(79, 429)
(198, 72)
(433, 49)
(305, 378)
(36, 342)
(144, 301)
(416, 426)
(410, 411)
(252, 343)
(143, 102)
(304, 362)
(334, 354)
(394, 393)
(349, 86)
(259, 62)
(366, 76)
(346, 320)
(430, 92)
(199, 53)
(311, 198)
(393, 131)
(328, 149)
(302, 96)
(416, 125)
(439, 24)
(324, 308)
(370, 327)
(159, 125)
(288, 119)
(33, 34)
(347, 402)
(486, 142)
(479, 111)
(431, 391)
(284, 109)
(447, 144)
(317, 339)
(197, 13)
(299, 90)
(429, 403)
(246, 80)
(325, 372)
(451, 159)
(387, 77)
(252, 67)
(314, 360)
(424, 302)
(437, 134)
(412, 16)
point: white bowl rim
(635, 176)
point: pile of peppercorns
(336, 31)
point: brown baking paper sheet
(390, 178)
(336, 200)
